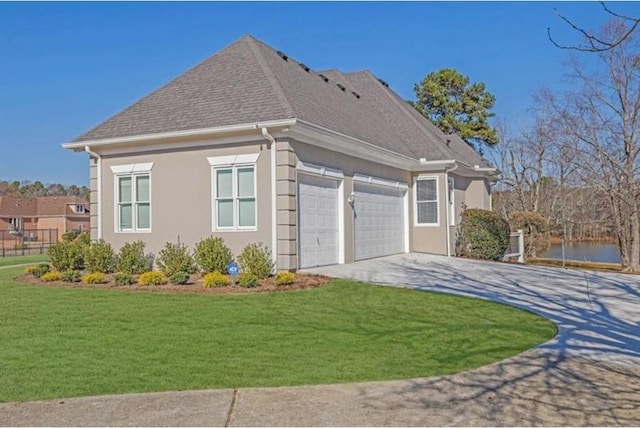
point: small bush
(30, 270)
(212, 255)
(83, 239)
(95, 278)
(122, 278)
(247, 280)
(99, 257)
(39, 270)
(71, 276)
(256, 259)
(175, 258)
(51, 276)
(152, 278)
(70, 235)
(285, 278)
(482, 235)
(66, 256)
(215, 279)
(131, 259)
(534, 228)
(179, 278)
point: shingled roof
(249, 81)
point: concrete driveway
(588, 375)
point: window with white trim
(133, 202)
(16, 224)
(235, 197)
(427, 201)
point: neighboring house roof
(40, 206)
(249, 81)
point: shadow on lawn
(589, 374)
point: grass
(63, 342)
(18, 260)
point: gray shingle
(249, 81)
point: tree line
(28, 189)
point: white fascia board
(309, 133)
(323, 171)
(132, 168)
(377, 181)
(180, 134)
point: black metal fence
(26, 242)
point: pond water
(591, 252)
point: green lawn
(18, 260)
(63, 342)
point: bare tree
(601, 125)
(598, 43)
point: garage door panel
(379, 221)
(318, 221)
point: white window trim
(415, 200)
(131, 170)
(18, 226)
(233, 162)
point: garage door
(318, 221)
(379, 220)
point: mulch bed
(194, 286)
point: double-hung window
(16, 224)
(133, 197)
(234, 199)
(427, 201)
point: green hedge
(482, 235)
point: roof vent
(323, 77)
(305, 67)
(341, 87)
(385, 84)
(355, 94)
(282, 55)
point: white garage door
(379, 221)
(318, 221)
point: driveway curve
(588, 375)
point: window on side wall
(427, 201)
(16, 224)
(133, 200)
(235, 197)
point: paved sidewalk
(588, 375)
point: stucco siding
(93, 197)
(478, 193)
(182, 197)
(430, 239)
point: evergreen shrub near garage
(66, 255)
(482, 235)
(175, 258)
(99, 257)
(132, 260)
(256, 259)
(213, 255)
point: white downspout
(98, 188)
(448, 213)
(274, 198)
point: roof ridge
(403, 106)
(253, 42)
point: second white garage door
(318, 221)
(379, 220)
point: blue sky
(65, 67)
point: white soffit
(320, 170)
(233, 159)
(360, 178)
(132, 168)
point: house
(253, 146)
(26, 216)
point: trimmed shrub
(285, 278)
(179, 278)
(95, 278)
(39, 270)
(99, 257)
(71, 276)
(65, 255)
(482, 235)
(131, 259)
(256, 259)
(212, 255)
(215, 279)
(175, 258)
(51, 276)
(70, 235)
(122, 278)
(152, 278)
(83, 239)
(247, 280)
(534, 228)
